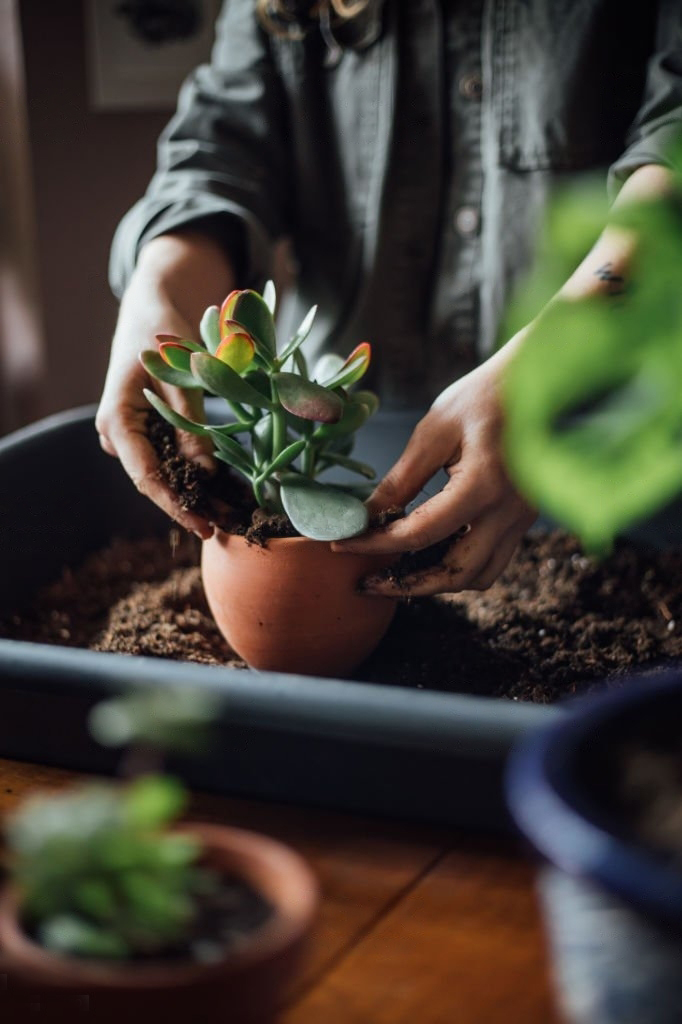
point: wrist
(188, 269)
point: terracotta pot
(293, 606)
(244, 988)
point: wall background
(88, 167)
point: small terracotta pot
(293, 606)
(244, 988)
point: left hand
(461, 433)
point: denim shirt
(410, 170)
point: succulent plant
(288, 425)
(99, 874)
(99, 871)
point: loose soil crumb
(555, 624)
(220, 497)
(263, 526)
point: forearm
(187, 270)
(605, 269)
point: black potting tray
(410, 753)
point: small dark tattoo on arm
(615, 282)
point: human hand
(462, 433)
(173, 277)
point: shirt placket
(411, 208)
(455, 304)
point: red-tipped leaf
(176, 355)
(308, 400)
(250, 311)
(237, 350)
(355, 367)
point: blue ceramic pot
(613, 905)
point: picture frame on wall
(140, 51)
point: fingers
(465, 497)
(193, 446)
(472, 562)
(500, 557)
(430, 448)
(123, 433)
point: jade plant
(288, 423)
(99, 871)
(594, 395)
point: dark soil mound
(553, 625)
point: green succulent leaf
(285, 458)
(160, 370)
(354, 415)
(176, 419)
(355, 367)
(236, 458)
(250, 310)
(175, 339)
(352, 465)
(175, 355)
(70, 934)
(327, 366)
(237, 350)
(262, 439)
(270, 296)
(217, 433)
(222, 380)
(301, 364)
(299, 337)
(209, 328)
(95, 898)
(369, 399)
(154, 800)
(232, 452)
(321, 512)
(308, 400)
(171, 719)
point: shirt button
(466, 221)
(471, 86)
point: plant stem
(240, 412)
(258, 492)
(279, 424)
(309, 456)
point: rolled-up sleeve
(223, 160)
(659, 121)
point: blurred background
(85, 88)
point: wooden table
(418, 925)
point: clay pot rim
(294, 908)
(288, 541)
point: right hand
(176, 278)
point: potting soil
(556, 623)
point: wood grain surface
(418, 925)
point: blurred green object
(100, 875)
(172, 719)
(593, 399)
(100, 871)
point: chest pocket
(568, 79)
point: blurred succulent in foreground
(98, 876)
(170, 719)
(293, 424)
(99, 870)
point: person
(408, 151)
